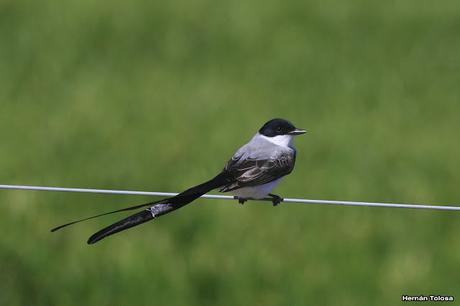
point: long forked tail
(161, 207)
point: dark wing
(253, 172)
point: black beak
(297, 132)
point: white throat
(280, 140)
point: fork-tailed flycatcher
(252, 173)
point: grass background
(127, 94)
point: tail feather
(133, 220)
(162, 207)
(104, 214)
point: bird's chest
(256, 192)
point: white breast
(256, 192)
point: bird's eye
(279, 129)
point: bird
(251, 173)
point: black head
(276, 127)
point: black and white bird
(252, 173)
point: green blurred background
(126, 94)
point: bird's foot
(241, 200)
(276, 199)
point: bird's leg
(276, 199)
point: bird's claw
(276, 199)
(242, 200)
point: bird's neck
(280, 140)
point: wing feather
(249, 171)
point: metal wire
(223, 197)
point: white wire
(223, 197)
